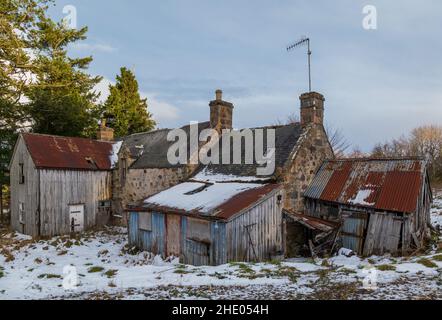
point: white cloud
(162, 111)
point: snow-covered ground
(99, 265)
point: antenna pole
(309, 53)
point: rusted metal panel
(55, 152)
(244, 200)
(400, 191)
(384, 184)
(318, 184)
(336, 183)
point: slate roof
(56, 152)
(150, 148)
(383, 184)
(286, 139)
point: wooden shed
(211, 223)
(60, 184)
(382, 205)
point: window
(198, 230)
(21, 212)
(145, 221)
(21, 173)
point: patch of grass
(275, 262)
(427, 262)
(112, 284)
(289, 272)
(95, 269)
(181, 271)
(325, 263)
(49, 276)
(219, 275)
(371, 261)
(2, 274)
(111, 273)
(347, 271)
(438, 257)
(8, 255)
(245, 268)
(386, 267)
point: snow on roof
(220, 199)
(114, 155)
(361, 197)
(209, 176)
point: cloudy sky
(378, 84)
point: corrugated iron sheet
(384, 184)
(55, 152)
(244, 200)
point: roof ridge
(415, 158)
(64, 137)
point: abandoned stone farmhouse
(204, 214)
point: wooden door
(353, 230)
(173, 235)
(76, 218)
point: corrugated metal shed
(55, 152)
(384, 184)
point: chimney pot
(218, 95)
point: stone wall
(141, 183)
(296, 177)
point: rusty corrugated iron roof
(56, 152)
(244, 200)
(384, 184)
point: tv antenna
(304, 40)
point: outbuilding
(211, 222)
(382, 205)
(59, 184)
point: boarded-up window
(198, 230)
(145, 221)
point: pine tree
(62, 99)
(126, 110)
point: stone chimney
(220, 112)
(104, 133)
(312, 108)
